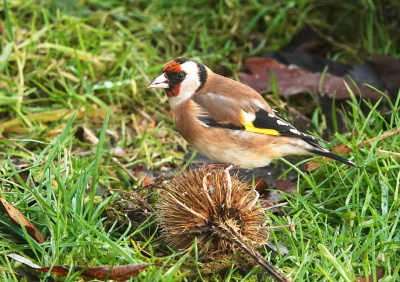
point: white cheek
(188, 87)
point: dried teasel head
(212, 206)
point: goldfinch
(229, 122)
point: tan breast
(186, 122)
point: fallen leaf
(273, 196)
(292, 80)
(118, 273)
(261, 186)
(86, 135)
(283, 250)
(117, 152)
(23, 174)
(313, 165)
(16, 217)
(144, 126)
(379, 275)
(340, 149)
(146, 175)
(361, 74)
(286, 186)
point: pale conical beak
(160, 82)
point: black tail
(324, 152)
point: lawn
(80, 136)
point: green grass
(95, 61)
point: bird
(229, 122)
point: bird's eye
(180, 75)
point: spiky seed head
(199, 203)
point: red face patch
(172, 66)
(174, 91)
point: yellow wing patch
(247, 120)
(262, 130)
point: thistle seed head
(205, 204)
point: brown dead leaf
(292, 80)
(84, 134)
(23, 174)
(282, 185)
(16, 217)
(90, 136)
(117, 152)
(283, 250)
(146, 126)
(313, 165)
(342, 149)
(261, 186)
(118, 273)
(273, 195)
(286, 186)
(139, 172)
(379, 275)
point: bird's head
(181, 78)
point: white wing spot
(202, 123)
(271, 115)
(307, 135)
(282, 122)
(295, 131)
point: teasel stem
(230, 233)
